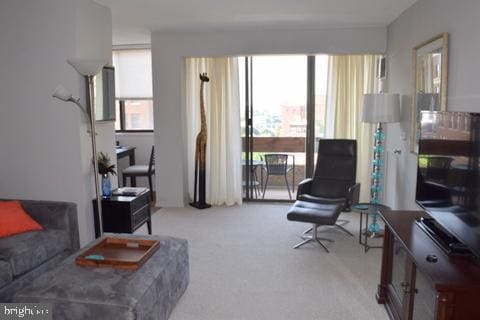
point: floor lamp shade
(86, 67)
(381, 108)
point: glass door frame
(310, 137)
(248, 148)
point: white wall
(43, 142)
(168, 53)
(143, 142)
(420, 22)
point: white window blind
(133, 73)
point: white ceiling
(134, 19)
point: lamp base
(199, 205)
(374, 227)
(373, 235)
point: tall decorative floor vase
(200, 150)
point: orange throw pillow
(13, 219)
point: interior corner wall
(41, 138)
(423, 20)
(168, 52)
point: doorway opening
(283, 101)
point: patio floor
(276, 193)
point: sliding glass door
(281, 117)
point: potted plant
(104, 168)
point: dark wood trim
(442, 147)
(445, 306)
(278, 144)
(134, 131)
(387, 262)
(121, 108)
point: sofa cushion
(14, 220)
(26, 251)
(5, 273)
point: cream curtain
(222, 104)
(349, 77)
(425, 74)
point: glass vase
(106, 186)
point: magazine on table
(128, 191)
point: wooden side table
(124, 214)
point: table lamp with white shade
(87, 68)
(379, 108)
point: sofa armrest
(304, 187)
(55, 215)
(353, 196)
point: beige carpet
(243, 267)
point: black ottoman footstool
(317, 214)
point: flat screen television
(448, 173)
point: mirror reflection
(430, 72)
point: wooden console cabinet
(415, 285)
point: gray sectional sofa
(25, 256)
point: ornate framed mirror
(430, 81)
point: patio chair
(277, 165)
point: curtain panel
(222, 108)
(349, 78)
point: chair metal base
(339, 226)
(313, 237)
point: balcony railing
(291, 145)
(278, 144)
